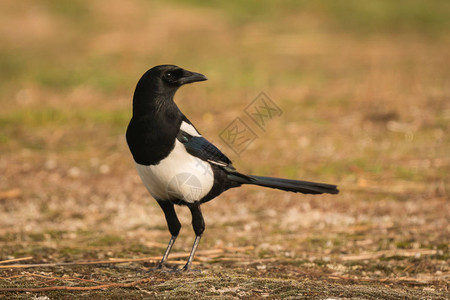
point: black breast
(152, 138)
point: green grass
(53, 117)
(426, 18)
(390, 17)
(107, 240)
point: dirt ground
(364, 100)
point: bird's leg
(174, 227)
(166, 253)
(199, 226)
(187, 266)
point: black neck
(154, 126)
(152, 104)
(149, 98)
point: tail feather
(296, 186)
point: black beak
(190, 77)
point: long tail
(296, 186)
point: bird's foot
(187, 269)
(162, 268)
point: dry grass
(364, 94)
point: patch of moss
(107, 240)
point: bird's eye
(168, 75)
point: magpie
(177, 165)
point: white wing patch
(188, 128)
(219, 163)
(178, 176)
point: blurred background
(364, 88)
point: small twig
(13, 193)
(51, 278)
(176, 262)
(388, 253)
(112, 261)
(15, 259)
(78, 288)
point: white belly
(178, 176)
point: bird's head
(166, 79)
(158, 85)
